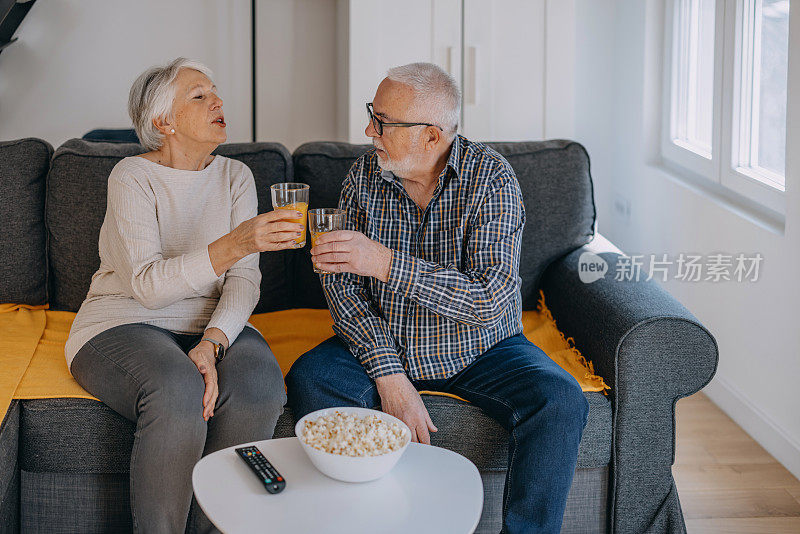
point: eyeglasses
(379, 124)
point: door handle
(471, 76)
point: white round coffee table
(429, 490)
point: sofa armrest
(652, 352)
(9, 469)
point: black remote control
(264, 470)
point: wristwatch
(219, 349)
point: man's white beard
(400, 168)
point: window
(725, 87)
(693, 76)
(762, 62)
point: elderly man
(425, 295)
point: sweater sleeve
(242, 287)
(135, 251)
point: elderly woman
(162, 337)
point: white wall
(75, 61)
(756, 324)
(296, 75)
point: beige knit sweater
(154, 262)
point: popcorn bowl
(352, 468)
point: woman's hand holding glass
(270, 231)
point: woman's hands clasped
(202, 355)
(269, 231)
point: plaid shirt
(454, 285)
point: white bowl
(352, 468)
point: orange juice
(320, 222)
(302, 207)
(314, 236)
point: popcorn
(350, 435)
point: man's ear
(432, 137)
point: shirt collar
(453, 161)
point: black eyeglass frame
(379, 124)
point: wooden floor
(728, 483)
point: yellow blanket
(32, 364)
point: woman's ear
(163, 125)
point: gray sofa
(64, 462)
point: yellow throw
(33, 364)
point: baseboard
(755, 422)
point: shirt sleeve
(356, 320)
(242, 287)
(136, 255)
(479, 295)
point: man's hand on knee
(400, 398)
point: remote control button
(280, 479)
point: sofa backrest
(23, 262)
(76, 206)
(556, 185)
(559, 204)
(554, 177)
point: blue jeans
(515, 382)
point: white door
(504, 70)
(514, 60)
(375, 35)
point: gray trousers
(143, 373)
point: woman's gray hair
(152, 95)
(437, 98)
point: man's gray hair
(437, 98)
(152, 95)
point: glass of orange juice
(322, 221)
(292, 196)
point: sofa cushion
(89, 503)
(76, 206)
(556, 185)
(23, 257)
(85, 436)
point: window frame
(747, 181)
(728, 109)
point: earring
(172, 130)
